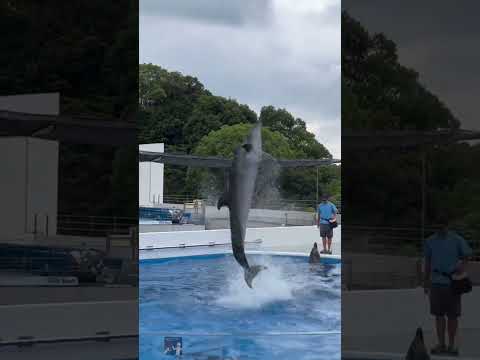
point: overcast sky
(439, 39)
(284, 53)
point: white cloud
(292, 61)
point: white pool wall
(294, 239)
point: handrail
(99, 336)
(244, 334)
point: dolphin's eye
(247, 147)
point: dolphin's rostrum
(238, 196)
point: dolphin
(239, 190)
(314, 255)
(240, 185)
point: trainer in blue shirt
(445, 253)
(325, 213)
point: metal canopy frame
(412, 140)
(74, 129)
(405, 139)
(219, 162)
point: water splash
(270, 286)
(267, 191)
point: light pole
(424, 194)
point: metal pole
(108, 244)
(317, 188)
(424, 195)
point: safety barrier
(95, 226)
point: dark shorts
(443, 302)
(326, 230)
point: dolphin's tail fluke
(251, 272)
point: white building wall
(42, 186)
(12, 190)
(29, 181)
(150, 178)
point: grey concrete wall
(143, 228)
(219, 219)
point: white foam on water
(269, 286)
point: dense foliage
(76, 49)
(384, 186)
(380, 93)
(179, 111)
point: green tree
(209, 182)
(383, 187)
(299, 184)
(294, 184)
(210, 113)
(223, 142)
(92, 62)
(177, 110)
(166, 100)
(295, 130)
(389, 91)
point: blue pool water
(293, 312)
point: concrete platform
(384, 321)
(49, 295)
(120, 349)
(70, 330)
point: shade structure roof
(71, 129)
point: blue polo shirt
(326, 211)
(444, 251)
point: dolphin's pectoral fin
(251, 272)
(223, 201)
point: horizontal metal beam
(101, 336)
(307, 162)
(404, 139)
(185, 160)
(219, 162)
(78, 129)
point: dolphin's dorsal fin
(224, 200)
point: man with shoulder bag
(446, 279)
(326, 222)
